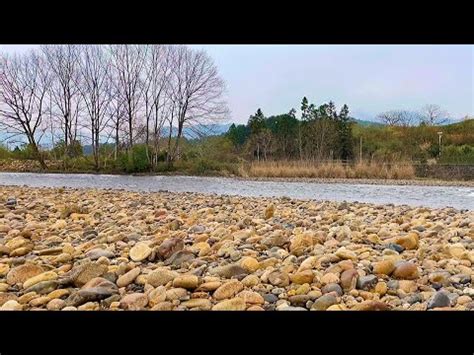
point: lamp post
(440, 134)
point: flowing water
(429, 196)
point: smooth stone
(406, 270)
(98, 253)
(371, 306)
(228, 290)
(332, 288)
(367, 282)
(439, 299)
(127, 278)
(11, 305)
(270, 298)
(384, 267)
(43, 287)
(228, 271)
(302, 277)
(134, 301)
(45, 276)
(324, 302)
(161, 276)
(201, 303)
(234, 304)
(83, 273)
(140, 252)
(20, 274)
(169, 247)
(349, 279)
(186, 281)
(396, 247)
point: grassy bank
(337, 171)
(306, 169)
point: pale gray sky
(369, 78)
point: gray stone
(97, 253)
(440, 299)
(367, 282)
(397, 247)
(270, 298)
(332, 288)
(324, 302)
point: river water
(429, 196)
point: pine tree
(345, 133)
(304, 109)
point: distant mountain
(368, 123)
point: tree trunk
(38, 155)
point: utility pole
(440, 134)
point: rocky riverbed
(85, 249)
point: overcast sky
(369, 78)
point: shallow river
(430, 196)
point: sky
(368, 78)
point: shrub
(74, 150)
(135, 160)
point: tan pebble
(210, 286)
(58, 293)
(186, 281)
(302, 277)
(128, 277)
(381, 288)
(163, 306)
(69, 308)
(384, 267)
(251, 297)
(329, 278)
(55, 304)
(249, 263)
(228, 290)
(27, 297)
(39, 301)
(234, 304)
(251, 280)
(11, 305)
(89, 306)
(45, 276)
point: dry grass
(307, 169)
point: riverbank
(31, 166)
(90, 249)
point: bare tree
(156, 87)
(24, 81)
(95, 88)
(63, 61)
(196, 91)
(128, 63)
(433, 115)
(402, 118)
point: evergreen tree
(344, 133)
(238, 134)
(304, 109)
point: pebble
(134, 301)
(188, 251)
(406, 270)
(127, 278)
(324, 302)
(440, 299)
(234, 304)
(140, 252)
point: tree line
(125, 94)
(322, 133)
